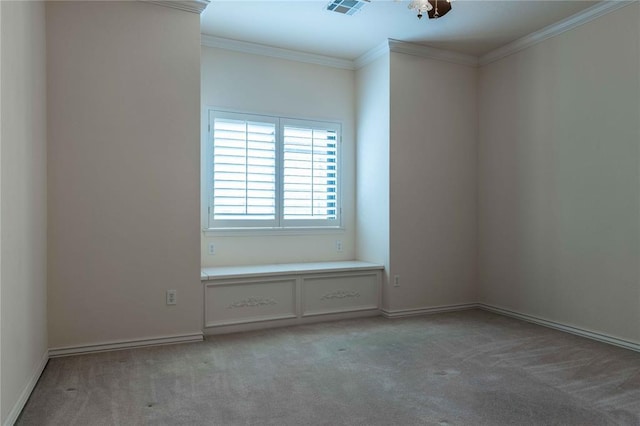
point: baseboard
(125, 344)
(400, 313)
(600, 337)
(278, 323)
(26, 392)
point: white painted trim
(279, 270)
(401, 313)
(553, 30)
(252, 320)
(432, 53)
(275, 52)
(340, 311)
(600, 337)
(233, 281)
(124, 344)
(373, 54)
(271, 324)
(414, 49)
(253, 232)
(328, 61)
(26, 392)
(193, 6)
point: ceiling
(473, 26)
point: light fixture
(433, 8)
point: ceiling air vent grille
(346, 7)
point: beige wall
(372, 222)
(559, 175)
(23, 242)
(124, 196)
(264, 85)
(433, 155)
(1, 415)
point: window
(272, 172)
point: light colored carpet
(464, 368)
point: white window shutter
(310, 173)
(244, 171)
(270, 172)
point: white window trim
(252, 232)
(280, 228)
(245, 223)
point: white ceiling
(473, 26)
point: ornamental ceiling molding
(371, 55)
(193, 6)
(573, 21)
(414, 49)
(275, 52)
(432, 53)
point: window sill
(251, 271)
(257, 232)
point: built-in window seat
(238, 298)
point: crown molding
(275, 52)
(414, 49)
(432, 53)
(328, 61)
(553, 30)
(371, 55)
(193, 6)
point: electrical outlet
(339, 245)
(396, 280)
(212, 249)
(171, 297)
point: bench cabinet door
(238, 301)
(329, 294)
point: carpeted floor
(464, 368)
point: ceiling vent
(346, 7)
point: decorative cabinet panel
(246, 301)
(339, 293)
(288, 294)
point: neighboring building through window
(273, 172)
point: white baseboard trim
(600, 337)
(400, 313)
(125, 344)
(26, 392)
(289, 322)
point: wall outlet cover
(171, 297)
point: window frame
(279, 225)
